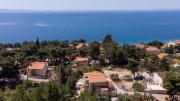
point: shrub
(128, 78)
(135, 97)
(115, 77)
(138, 87)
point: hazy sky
(90, 4)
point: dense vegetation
(14, 58)
(136, 97)
(172, 83)
(138, 87)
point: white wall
(157, 79)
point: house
(98, 80)
(173, 43)
(81, 61)
(152, 50)
(37, 69)
(141, 46)
(156, 85)
(95, 78)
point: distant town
(104, 70)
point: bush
(138, 87)
(135, 97)
(92, 68)
(127, 78)
(115, 77)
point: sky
(90, 4)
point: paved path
(24, 77)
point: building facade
(37, 69)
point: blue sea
(124, 26)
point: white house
(156, 86)
(173, 43)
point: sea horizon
(92, 25)
(87, 11)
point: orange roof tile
(95, 77)
(177, 42)
(161, 55)
(80, 59)
(151, 48)
(140, 46)
(37, 65)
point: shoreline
(130, 43)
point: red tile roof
(161, 55)
(37, 65)
(151, 49)
(95, 77)
(140, 46)
(177, 42)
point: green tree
(171, 82)
(133, 52)
(9, 70)
(1, 95)
(88, 95)
(37, 43)
(115, 77)
(47, 92)
(120, 58)
(135, 97)
(60, 73)
(151, 63)
(20, 93)
(92, 68)
(156, 43)
(138, 87)
(133, 66)
(110, 50)
(94, 50)
(164, 64)
(107, 97)
(107, 38)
